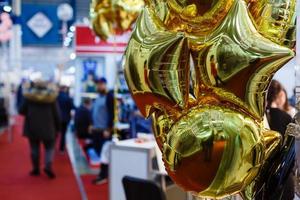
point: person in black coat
(42, 123)
(66, 105)
(278, 121)
(19, 94)
(83, 120)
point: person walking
(103, 120)
(42, 123)
(66, 105)
(214, 71)
(19, 94)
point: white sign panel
(40, 24)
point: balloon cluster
(5, 27)
(111, 17)
(201, 70)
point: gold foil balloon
(110, 17)
(201, 70)
(276, 20)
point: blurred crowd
(48, 110)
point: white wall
(45, 59)
(286, 76)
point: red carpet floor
(15, 182)
(94, 192)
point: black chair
(140, 189)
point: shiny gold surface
(276, 20)
(228, 146)
(110, 17)
(201, 69)
(196, 17)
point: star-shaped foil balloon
(201, 70)
(275, 20)
(111, 17)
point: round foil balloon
(110, 17)
(201, 70)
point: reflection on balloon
(276, 20)
(201, 70)
(110, 17)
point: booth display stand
(138, 159)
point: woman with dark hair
(277, 118)
(278, 121)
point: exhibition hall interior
(149, 100)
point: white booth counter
(129, 158)
(134, 158)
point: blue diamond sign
(40, 24)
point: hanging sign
(88, 43)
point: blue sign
(89, 68)
(5, 2)
(40, 25)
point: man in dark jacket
(42, 122)
(103, 121)
(102, 115)
(66, 105)
(19, 96)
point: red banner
(88, 43)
